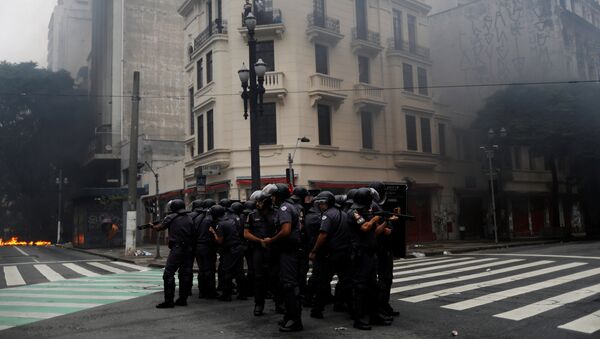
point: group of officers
(277, 232)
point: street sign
(211, 170)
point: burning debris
(14, 241)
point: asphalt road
(549, 291)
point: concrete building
(487, 42)
(129, 36)
(69, 38)
(352, 76)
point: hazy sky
(24, 30)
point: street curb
(107, 256)
(483, 248)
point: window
(209, 67)
(200, 137)
(324, 120)
(322, 59)
(442, 138)
(199, 74)
(367, 130)
(265, 50)
(407, 74)
(361, 19)
(422, 76)
(267, 125)
(209, 11)
(319, 12)
(210, 130)
(426, 135)
(411, 133)
(397, 29)
(412, 33)
(191, 112)
(363, 69)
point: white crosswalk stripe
(135, 267)
(49, 273)
(38, 315)
(80, 270)
(445, 265)
(420, 260)
(457, 270)
(430, 263)
(12, 276)
(64, 296)
(588, 324)
(106, 267)
(47, 304)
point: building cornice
(417, 6)
(186, 7)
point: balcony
(101, 147)
(324, 29)
(274, 86)
(366, 43)
(406, 49)
(269, 25)
(325, 88)
(216, 31)
(368, 97)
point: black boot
(166, 304)
(181, 301)
(259, 310)
(292, 326)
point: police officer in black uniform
(197, 215)
(288, 240)
(312, 225)
(331, 253)
(365, 228)
(227, 235)
(181, 255)
(235, 212)
(299, 195)
(206, 253)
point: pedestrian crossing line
(47, 304)
(430, 263)
(82, 289)
(426, 269)
(549, 304)
(468, 277)
(48, 273)
(4, 327)
(67, 296)
(588, 324)
(493, 297)
(55, 262)
(419, 260)
(478, 285)
(34, 315)
(80, 270)
(458, 270)
(77, 285)
(106, 267)
(39, 309)
(12, 276)
(135, 267)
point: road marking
(549, 304)
(442, 266)
(49, 273)
(2, 327)
(412, 261)
(146, 284)
(25, 254)
(47, 304)
(135, 267)
(468, 277)
(107, 268)
(100, 280)
(80, 270)
(458, 270)
(538, 255)
(54, 262)
(67, 296)
(437, 262)
(474, 286)
(588, 324)
(37, 315)
(492, 297)
(79, 289)
(12, 276)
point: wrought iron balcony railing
(266, 17)
(217, 27)
(366, 35)
(405, 46)
(325, 22)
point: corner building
(350, 75)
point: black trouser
(206, 256)
(181, 258)
(385, 275)
(248, 291)
(289, 274)
(304, 266)
(266, 274)
(231, 265)
(334, 263)
(364, 282)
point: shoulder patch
(284, 208)
(324, 217)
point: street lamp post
(291, 160)
(157, 210)
(60, 181)
(490, 150)
(253, 92)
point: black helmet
(208, 203)
(217, 211)
(197, 205)
(280, 191)
(225, 203)
(340, 200)
(249, 206)
(176, 206)
(299, 194)
(380, 188)
(258, 196)
(362, 198)
(350, 196)
(236, 208)
(325, 197)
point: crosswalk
(464, 283)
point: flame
(14, 241)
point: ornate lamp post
(490, 150)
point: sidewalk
(412, 251)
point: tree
(44, 126)
(559, 122)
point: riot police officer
(288, 240)
(206, 253)
(312, 224)
(197, 215)
(181, 244)
(236, 213)
(299, 195)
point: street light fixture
(60, 181)
(490, 150)
(157, 210)
(253, 92)
(291, 160)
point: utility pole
(60, 181)
(130, 229)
